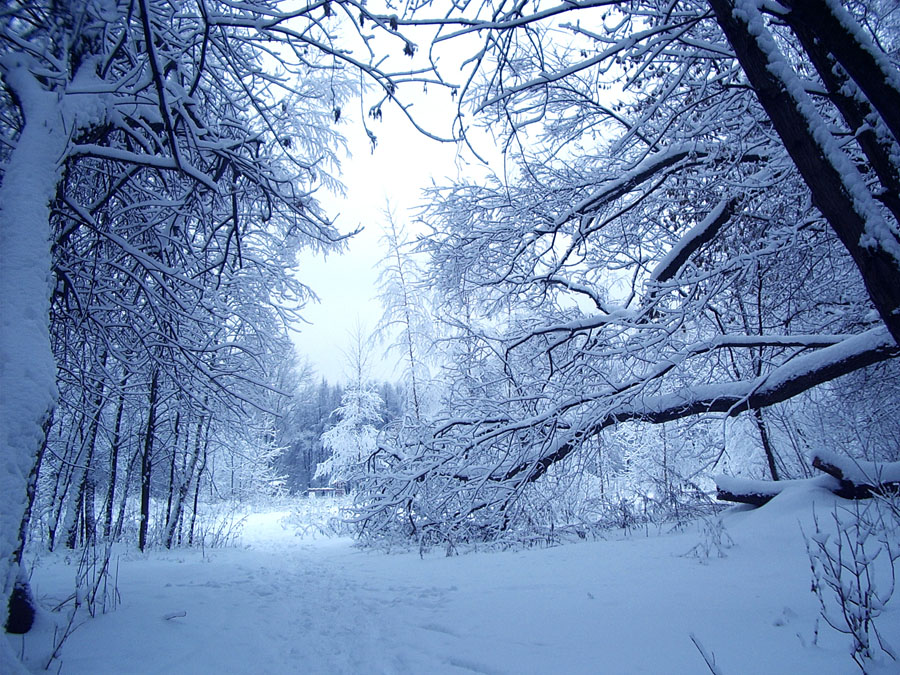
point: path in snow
(285, 604)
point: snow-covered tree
(406, 319)
(159, 162)
(353, 440)
(698, 215)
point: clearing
(283, 603)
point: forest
(669, 272)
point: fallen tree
(845, 477)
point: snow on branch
(759, 492)
(867, 477)
(138, 159)
(627, 181)
(698, 235)
(731, 398)
(661, 32)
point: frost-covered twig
(847, 565)
(708, 657)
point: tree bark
(79, 500)
(797, 376)
(854, 488)
(757, 493)
(174, 457)
(196, 497)
(178, 507)
(853, 109)
(114, 461)
(27, 368)
(147, 462)
(836, 188)
(839, 33)
(766, 442)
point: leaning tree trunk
(836, 187)
(766, 442)
(67, 465)
(173, 459)
(197, 486)
(853, 108)
(78, 507)
(27, 369)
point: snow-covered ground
(282, 603)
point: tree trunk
(79, 502)
(170, 496)
(21, 605)
(123, 500)
(28, 375)
(836, 187)
(853, 108)
(90, 519)
(839, 33)
(114, 461)
(147, 463)
(846, 478)
(64, 477)
(175, 513)
(197, 490)
(766, 442)
(31, 491)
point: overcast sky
(402, 163)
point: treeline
(310, 414)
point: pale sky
(403, 162)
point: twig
(709, 657)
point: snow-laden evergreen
(352, 441)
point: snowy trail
(276, 605)
(285, 604)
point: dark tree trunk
(853, 488)
(766, 442)
(21, 604)
(114, 461)
(831, 189)
(147, 464)
(175, 514)
(79, 501)
(852, 108)
(872, 72)
(757, 493)
(63, 481)
(197, 489)
(172, 471)
(31, 491)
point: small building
(335, 490)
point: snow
(27, 369)
(282, 603)
(877, 233)
(860, 471)
(846, 21)
(698, 234)
(627, 179)
(737, 485)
